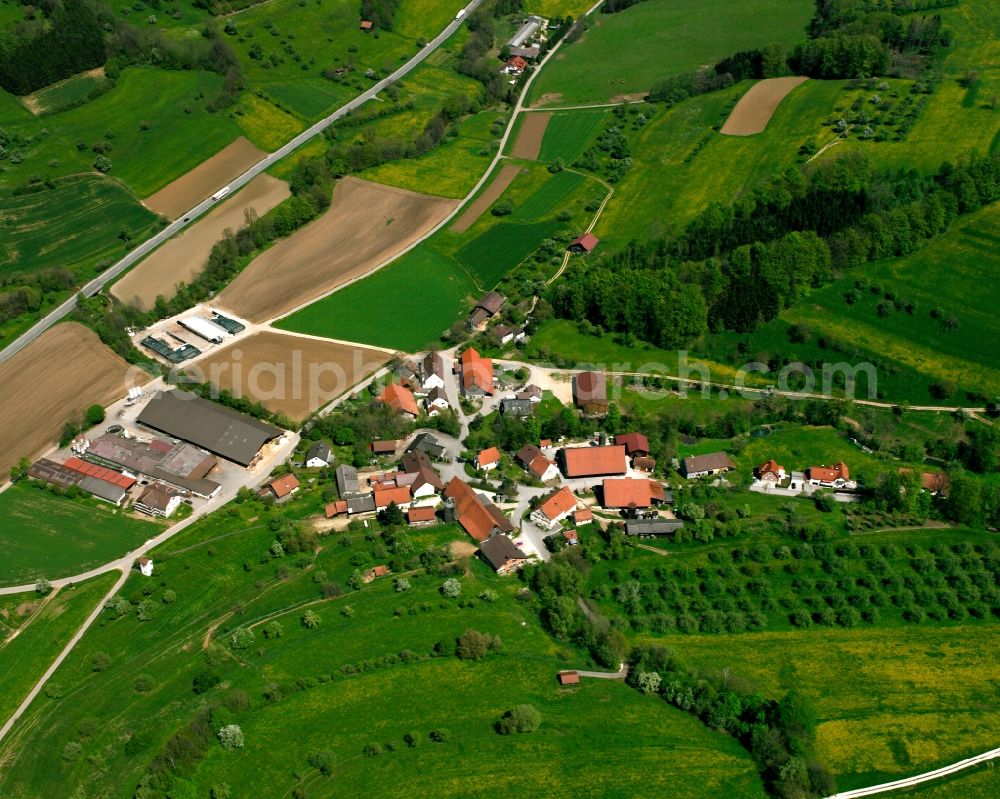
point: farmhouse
(584, 243)
(426, 481)
(284, 486)
(590, 392)
(652, 528)
(558, 506)
(530, 392)
(636, 444)
(179, 464)
(400, 495)
(770, 472)
(222, 431)
(428, 444)
(502, 554)
(337, 508)
(517, 408)
(583, 516)
(487, 307)
(145, 566)
(421, 515)
(158, 500)
(477, 374)
(488, 459)
(387, 447)
(436, 401)
(838, 476)
(630, 494)
(533, 460)
(518, 44)
(400, 399)
(701, 465)
(479, 517)
(579, 462)
(433, 369)
(318, 455)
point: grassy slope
(654, 749)
(50, 536)
(25, 658)
(626, 53)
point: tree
(401, 584)
(273, 630)
(322, 761)
(42, 586)
(231, 736)
(474, 645)
(94, 415)
(519, 719)
(392, 516)
(102, 164)
(356, 580)
(613, 419)
(451, 588)
(310, 620)
(649, 682)
(221, 791)
(99, 661)
(241, 638)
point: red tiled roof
(488, 456)
(633, 442)
(100, 472)
(421, 513)
(829, 474)
(568, 678)
(386, 496)
(517, 62)
(395, 396)
(562, 501)
(571, 536)
(545, 442)
(626, 493)
(476, 517)
(933, 481)
(384, 446)
(539, 466)
(588, 241)
(594, 461)
(644, 463)
(284, 485)
(770, 467)
(589, 387)
(366, 25)
(477, 371)
(583, 515)
(335, 508)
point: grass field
(569, 134)
(981, 783)
(491, 255)
(42, 636)
(93, 211)
(420, 296)
(601, 733)
(48, 536)
(66, 94)
(625, 53)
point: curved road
(175, 227)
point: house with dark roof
(517, 408)
(360, 503)
(318, 455)
(433, 369)
(428, 444)
(426, 481)
(652, 528)
(101, 489)
(703, 465)
(347, 480)
(487, 307)
(533, 460)
(502, 554)
(479, 517)
(436, 401)
(222, 431)
(159, 500)
(636, 444)
(530, 392)
(605, 461)
(590, 392)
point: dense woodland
(381, 13)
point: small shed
(145, 566)
(367, 25)
(568, 678)
(584, 243)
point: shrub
(310, 620)
(205, 680)
(143, 684)
(519, 719)
(439, 735)
(373, 749)
(231, 736)
(273, 630)
(72, 751)
(451, 588)
(323, 761)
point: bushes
(519, 719)
(474, 645)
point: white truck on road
(460, 14)
(220, 194)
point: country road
(142, 250)
(909, 782)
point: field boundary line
(927, 776)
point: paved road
(175, 227)
(909, 782)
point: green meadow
(569, 133)
(49, 536)
(625, 53)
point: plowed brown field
(754, 110)
(478, 206)
(366, 225)
(289, 374)
(51, 380)
(529, 138)
(205, 179)
(182, 258)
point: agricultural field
(205, 179)
(287, 374)
(423, 294)
(981, 783)
(530, 135)
(183, 257)
(366, 225)
(52, 380)
(68, 93)
(49, 536)
(94, 211)
(623, 54)
(492, 192)
(755, 108)
(569, 133)
(45, 629)
(382, 642)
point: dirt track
(478, 206)
(366, 224)
(205, 179)
(182, 258)
(49, 381)
(755, 108)
(290, 374)
(529, 138)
